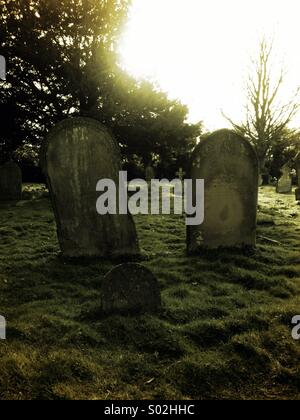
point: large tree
(62, 62)
(267, 118)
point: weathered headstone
(2, 328)
(229, 166)
(297, 161)
(266, 177)
(180, 174)
(149, 173)
(10, 182)
(285, 183)
(130, 288)
(2, 68)
(76, 155)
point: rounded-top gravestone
(130, 288)
(10, 182)
(229, 167)
(77, 154)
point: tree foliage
(62, 62)
(285, 151)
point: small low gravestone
(229, 167)
(130, 288)
(10, 182)
(285, 183)
(76, 155)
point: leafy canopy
(62, 62)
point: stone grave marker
(130, 288)
(149, 174)
(77, 154)
(229, 167)
(10, 182)
(285, 184)
(2, 68)
(297, 161)
(180, 174)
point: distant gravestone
(2, 328)
(2, 68)
(10, 182)
(76, 155)
(149, 173)
(298, 176)
(285, 183)
(180, 174)
(229, 166)
(130, 288)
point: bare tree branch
(266, 119)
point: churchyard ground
(224, 332)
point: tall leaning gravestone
(77, 154)
(229, 166)
(10, 182)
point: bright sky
(199, 50)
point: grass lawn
(224, 332)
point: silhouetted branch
(265, 121)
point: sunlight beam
(199, 51)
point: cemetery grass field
(224, 332)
